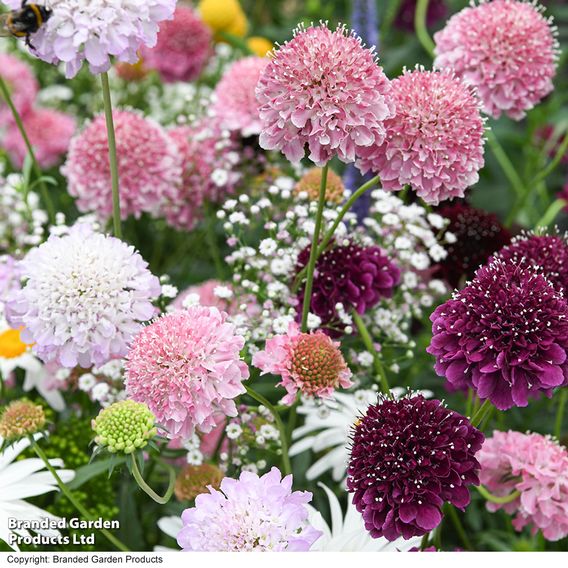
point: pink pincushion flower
(22, 84)
(307, 362)
(537, 467)
(50, 133)
(183, 48)
(249, 514)
(506, 49)
(323, 89)
(236, 105)
(186, 367)
(434, 142)
(150, 166)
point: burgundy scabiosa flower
(183, 48)
(505, 335)
(506, 49)
(434, 142)
(547, 253)
(478, 235)
(324, 89)
(409, 457)
(350, 274)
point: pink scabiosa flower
(434, 143)
(307, 362)
(50, 133)
(150, 166)
(350, 274)
(506, 49)
(84, 298)
(547, 253)
(408, 457)
(236, 105)
(97, 30)
(22, 84)
(537, 467)
(324, 89)
(186, 367)
(505, 335)
(183, 48)
(251, 513)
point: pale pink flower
(22, 84)
(186, 367)
(308, 362)
(506, 49)
(324, 89)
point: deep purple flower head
(351, 274)
(505, 335)
(478, 235)
(548, 253)
(408, 457)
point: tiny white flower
(87, 382)
(267, 247)
(169, 291)
(100, 391)
(223, 292)
(190, 300)
(233, 431)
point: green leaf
(87, 472)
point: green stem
(329, 235)
(494, 498)
(37, 170)
(481, 412)
(551, 213)
(112, 156)
(544, 173)
(420, 26)
(314, 250)
(377, 364)
(424, 541)
(279, 424)
(506, 165)
(560, 412)
(147, 489)
(453, 514)
(211, 239)
(67, 492)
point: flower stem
(37, 170)
(420, 26)
(453, 514)
(550, 214)
(211, 239)
(314, 250)
(424, 541)
(117, 228)
(544, 173)
(494, 498)
(279, 424)
(560, 412)
(481, 412)
(506, 165)
(67, 492)
(147, 489)
(377, 364)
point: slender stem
(18, 120)
(562, 149)
(279, 424)
(67, 492)
(314, 250)
(420, 26)
(424, 541)
(453, 514)
(494, 498)
(329, 234)
(550, 214)
(112, 156)
(212, 242)
(506, 165)
(147, 489)
(481, 412)
(377, 364)
(560, 412)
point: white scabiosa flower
(170, 526)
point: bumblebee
(25, 21)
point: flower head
(259, 45)
(186, 367)
(251, 513)
(21, 418)
(97, 30)
(22, 84)
(195, 479)
(236, 105)
(408, 457)
(223, 16)
(310, 184)
(307, 362)
(49, 131)
(350, 274)
(183, 48)
(150, 166)
(505, 335)
(506, 49)
(323, 89)
(537, 467)
(84, 298)
(478, 235)
(434, 142)
(124, 427)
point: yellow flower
(221, 15)
(239, 26)
(11, 345)
(259, 45)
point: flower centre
(11, 346)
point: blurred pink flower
(21, 83)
